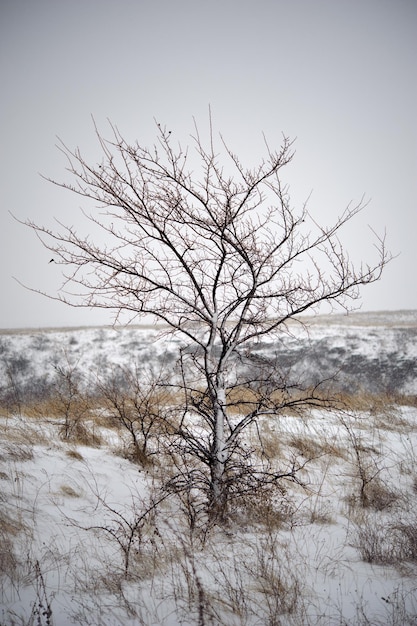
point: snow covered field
(89, 537)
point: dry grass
(408, 535)
(392, 421)
(82, 432)
(17, 452)
(278, 586)
(385, 542)
(8, 560)
(127, 450)
(267, 442)
(271, 443)
(376, 545)
(10, 526)
(363, 401)
(376, 495)
(74, 454)
(267, 508)
(379, 496)
(17, 432)
(69, 491)
(240, 400)
(50, 407)
(76, 424)
(306, 446)
(293, 402)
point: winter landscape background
(375, 352)
(83, 540)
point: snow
(65, 508)
(54, 496)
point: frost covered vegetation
(103, 515)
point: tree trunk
(218, 486)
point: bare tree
(69, 401)
(220, 256)
(134, 399)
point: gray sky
(337, 75)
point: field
(91, 532)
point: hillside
(375, 352)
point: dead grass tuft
(375, 543)
(408, 533)
(69, 491)
(74, 454)
(385, 543)
(322, 514)
(135, 454)
(375, 495)
(13, 451)
(268, 507)
(277, 584)
(306, 446)
(267, 443)
(379, 496)
(8, 560)
(81, 432)
(18, 438)
(9, 526)
(310, 448)
(241, 400)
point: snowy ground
(76, 547)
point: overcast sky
(337, 75)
